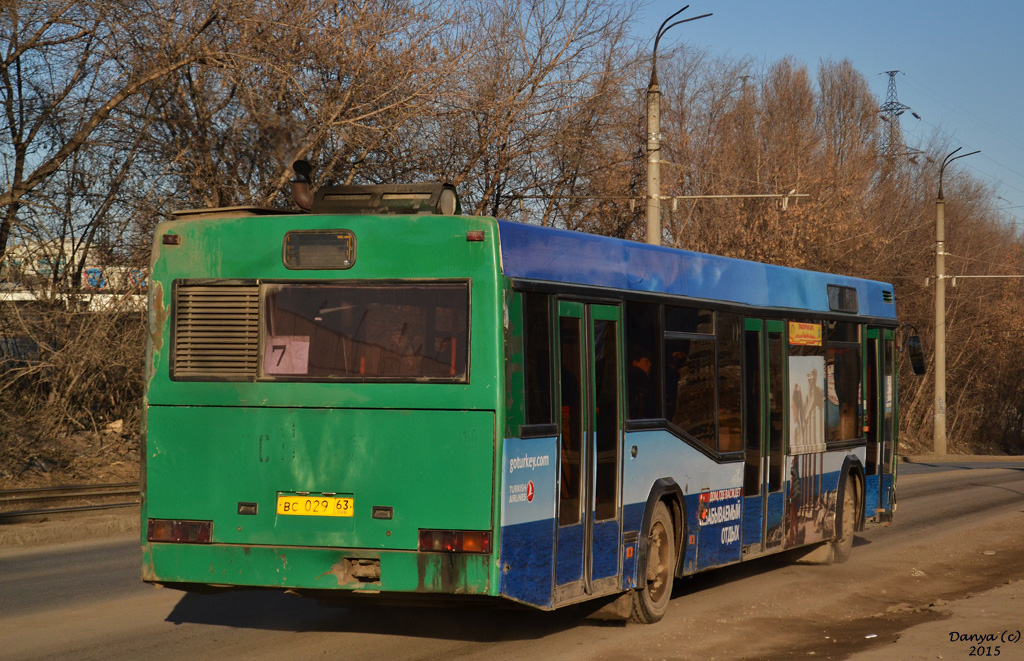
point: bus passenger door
(589, 512)
(887, 422)
(763, 428)
(880, 462)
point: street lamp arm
(687, 20)
(949, 159)
(665, 27)
(657, 39)
(662, 30)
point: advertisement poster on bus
(719, 515)
(528, 486)
(807, 404)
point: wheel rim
(848, 514)
(657, 564)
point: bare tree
(327, 81)
(541, 88)
(66, 70)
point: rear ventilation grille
(887, 296)
(216, 331)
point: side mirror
(916, 354)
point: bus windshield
(360, 331)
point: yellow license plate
(315, 505)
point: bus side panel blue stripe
(632, 519)
(752, 519)
(870, 495)
(632, 516)
(527, 552)
(692, 531)
(776, 510)
(541, 253)
(569, 560)
(606, 549)
(886, 491)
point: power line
(965, 113)
(953, 138)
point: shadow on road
(921, 467)
(277, 611)
(997, 486)
(477, 622)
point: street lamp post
(939, 433)
(654, 134)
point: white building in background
(27, 271)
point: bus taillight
(456, 541)
(187, 532)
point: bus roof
(534, 253)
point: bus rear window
(319, 249)
(367, 331)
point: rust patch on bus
(158, 314)
(441, 572)
(148, 570)
(354, 572)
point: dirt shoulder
(986, 624)
(69, 528)
(938, 596)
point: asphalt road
(957, 532)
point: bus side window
(843, 369)
(730, 382)
(752, 395)
(537, 358)
(691, 372)
(643, 339)
(871, 424)
(776, 409)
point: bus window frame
(860, 436)
(293, 267)
(550, 428)
(265, 285)
(589, 295)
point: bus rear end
(322, 398)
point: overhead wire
(964, 112)
(1004, 137)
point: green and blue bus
(385, 399)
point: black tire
(650, 599)
(842, 545)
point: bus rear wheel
(842, 545)
(650, 599)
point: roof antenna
(301, 194)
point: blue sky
(962, 63)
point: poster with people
(807, 404)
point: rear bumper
(310, 568)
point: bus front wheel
(650, 599)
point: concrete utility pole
(654, 134)
(654, 159)
(939, 433)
